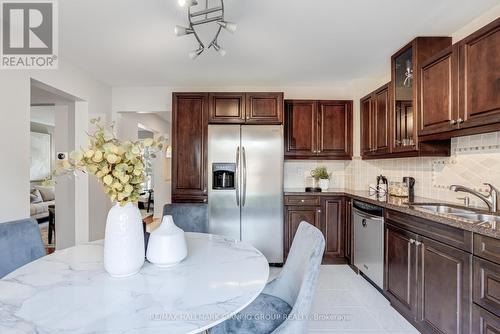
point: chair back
(20, 243)
(190, 217)
(296, 283)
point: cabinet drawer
(483, 322)
(302, 200)
(487, 248)
(487, 285)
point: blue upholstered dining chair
(20, 243)
(191, 217)
(285, 304)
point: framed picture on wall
(41, 154)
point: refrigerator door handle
(244, 199)
(237, 182)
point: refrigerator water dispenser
(223, 176)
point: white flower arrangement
(119, 166)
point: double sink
(477, 218)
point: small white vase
(167, 244)
(124, 241)
(324, 184)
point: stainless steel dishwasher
(369, 241)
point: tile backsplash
(474, 160)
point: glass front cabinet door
(403, 71)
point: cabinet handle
(204, 200)
(205, 190)
(318, 211)
(460, 121)
(453, 122)
(302, 200)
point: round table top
(69, 291)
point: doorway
(60, 205)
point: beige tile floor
(352, 305)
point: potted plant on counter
(119, 167)
(321, 175)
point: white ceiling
(278, 42)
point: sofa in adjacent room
(40, 199)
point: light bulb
(181, 31)
(218, 48)
(229, 26)
(195, 53)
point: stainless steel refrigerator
(245, 182)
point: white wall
(14, 131)
(128, 125)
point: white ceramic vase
(124, 241)
(167, 244)
(324, 184)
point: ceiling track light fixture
(202, 17)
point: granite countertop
(401, 204)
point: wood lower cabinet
(189, 143)
(318, 129)
(426, 280)
(333, 226)
(328, 214)
(293, 217)
(487, 285)
(264, 108)
(400, 270)
(484, 322)
(348, 232)
(444, 286)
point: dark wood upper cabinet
(189, 143)
(264, 108)
(300, 128)
(318, 129)
(367, 128)
(250, 108)
(375, 123)
(444, 305)
(439, 92)
(405, 83)
(460, 88)
(480, 76)
(334, 130)
(227, 108)
(382, 133)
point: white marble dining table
(69, 291)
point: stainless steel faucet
(492, 199)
